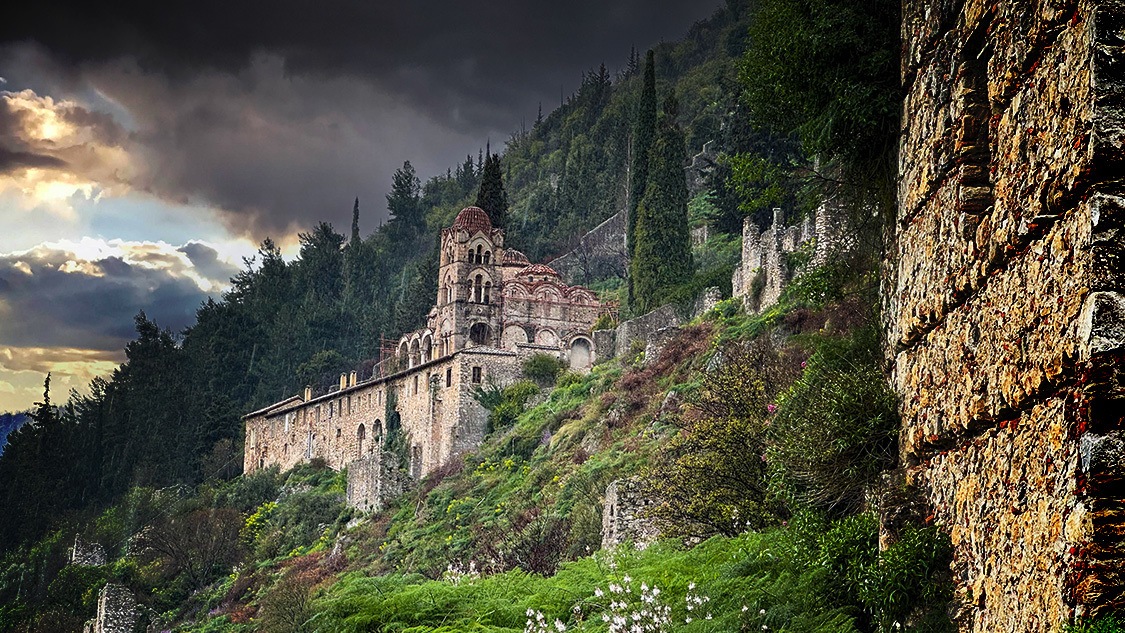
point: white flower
(559, 626)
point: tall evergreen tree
(355, 221)
(662, 255)
(407, 220)
(491, 197)
(644, 131)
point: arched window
(478, 257)
(360, 435)
(487, 291)
(477, 289)
(478, 333)
(487, 256)
(377, 429)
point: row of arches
(480, 255)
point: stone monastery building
(494, 309)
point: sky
(146, 148)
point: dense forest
(171, 413)
(796, 97)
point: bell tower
(468, 303)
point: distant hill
(10, 422)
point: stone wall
(600, 253)
(435, 406)
(375, 480)
(766, 268)
(622, 520)
(617, 342)
(1005, 322)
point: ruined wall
(374, 480)
(117, 611)
(622, 520)
(617, 342)
(600, 253)
(1005, 321)
(766, 268)
(87, 553)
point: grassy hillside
(507, 538)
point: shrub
(836, 427)
(711, 476)
(1104, 624)
(543, 368)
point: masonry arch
(360, 436)
(480, 333)
(581, 354)
(514, 335)
(547, 336)
(415, 353)
(427, 348)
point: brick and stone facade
(1005, 312)
(494, 309)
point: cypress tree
(644, 131)
(662, 255)
(355, 221)
(491, 197)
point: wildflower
(771, 407)
(746, 608)
(762, 612)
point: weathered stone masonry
(1005, 318)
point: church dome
(473, 219)
(516, 258)
(538, 270)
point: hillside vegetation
(767, 443)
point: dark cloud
(279, 112)
(11, 160)
(51, 298)
(206, 261)
(444, 53)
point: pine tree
(662, 255)
(643, 132)
(491, 197)
(634, 62)
(407, 220)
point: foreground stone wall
(1005, 322)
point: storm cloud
(278, 113)
(84, 296)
